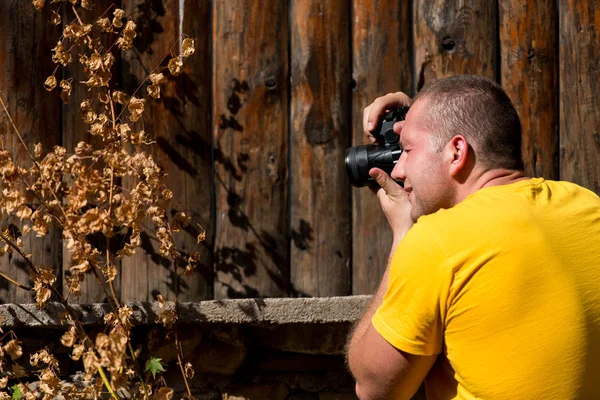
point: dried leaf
(50, 83)
(86, 4)
(175, 65)
(187, 47)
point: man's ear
(458, 151)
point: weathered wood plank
(74, 130)
(179, 123)
(25, 63)
(529, 74)
(579, 88)
(381, 64)
(320, 133)
(250, 136)
(454, 37)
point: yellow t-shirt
(505, 286)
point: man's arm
(382, 371)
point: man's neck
(494, 177)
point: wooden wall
(253, 134)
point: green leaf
(154, 365)
(16, 395)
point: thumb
(386, 182)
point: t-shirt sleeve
(413, 312)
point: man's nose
(398, 171)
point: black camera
(384, 154)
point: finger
(387, 102)
(398, 127)
(366, 112)
(385, 181)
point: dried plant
(77, 191)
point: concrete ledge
(270, 311)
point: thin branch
(16, 283)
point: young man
(493, 286)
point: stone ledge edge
(267, 311)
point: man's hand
(394, 202)
(392, 197)
(374, 111)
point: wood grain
(529, 74)
(179, 123)
(25, 63)
(579, 86)
(381, 62)
(454, 37)
(250, 136)
(320, 133)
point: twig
(14, 246)
(15, 282)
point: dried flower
(119, 97)
(55, 18)
(13, 349)
(189, 370)
(37, 150)
(202, 235)
(175, 65)
(65, 94)
(187, 47)
(136, 108)
(118, 16)
(68, 338)
(105, 24)
(60, 56)
(154, 91)
(38, 4)
(125, 42)
(163, 393)
(50, 83)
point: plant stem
(107, 383)
(177, 343)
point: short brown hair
(479, 109)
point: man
(493, 285)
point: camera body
(383, 154)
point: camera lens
(357, 165)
